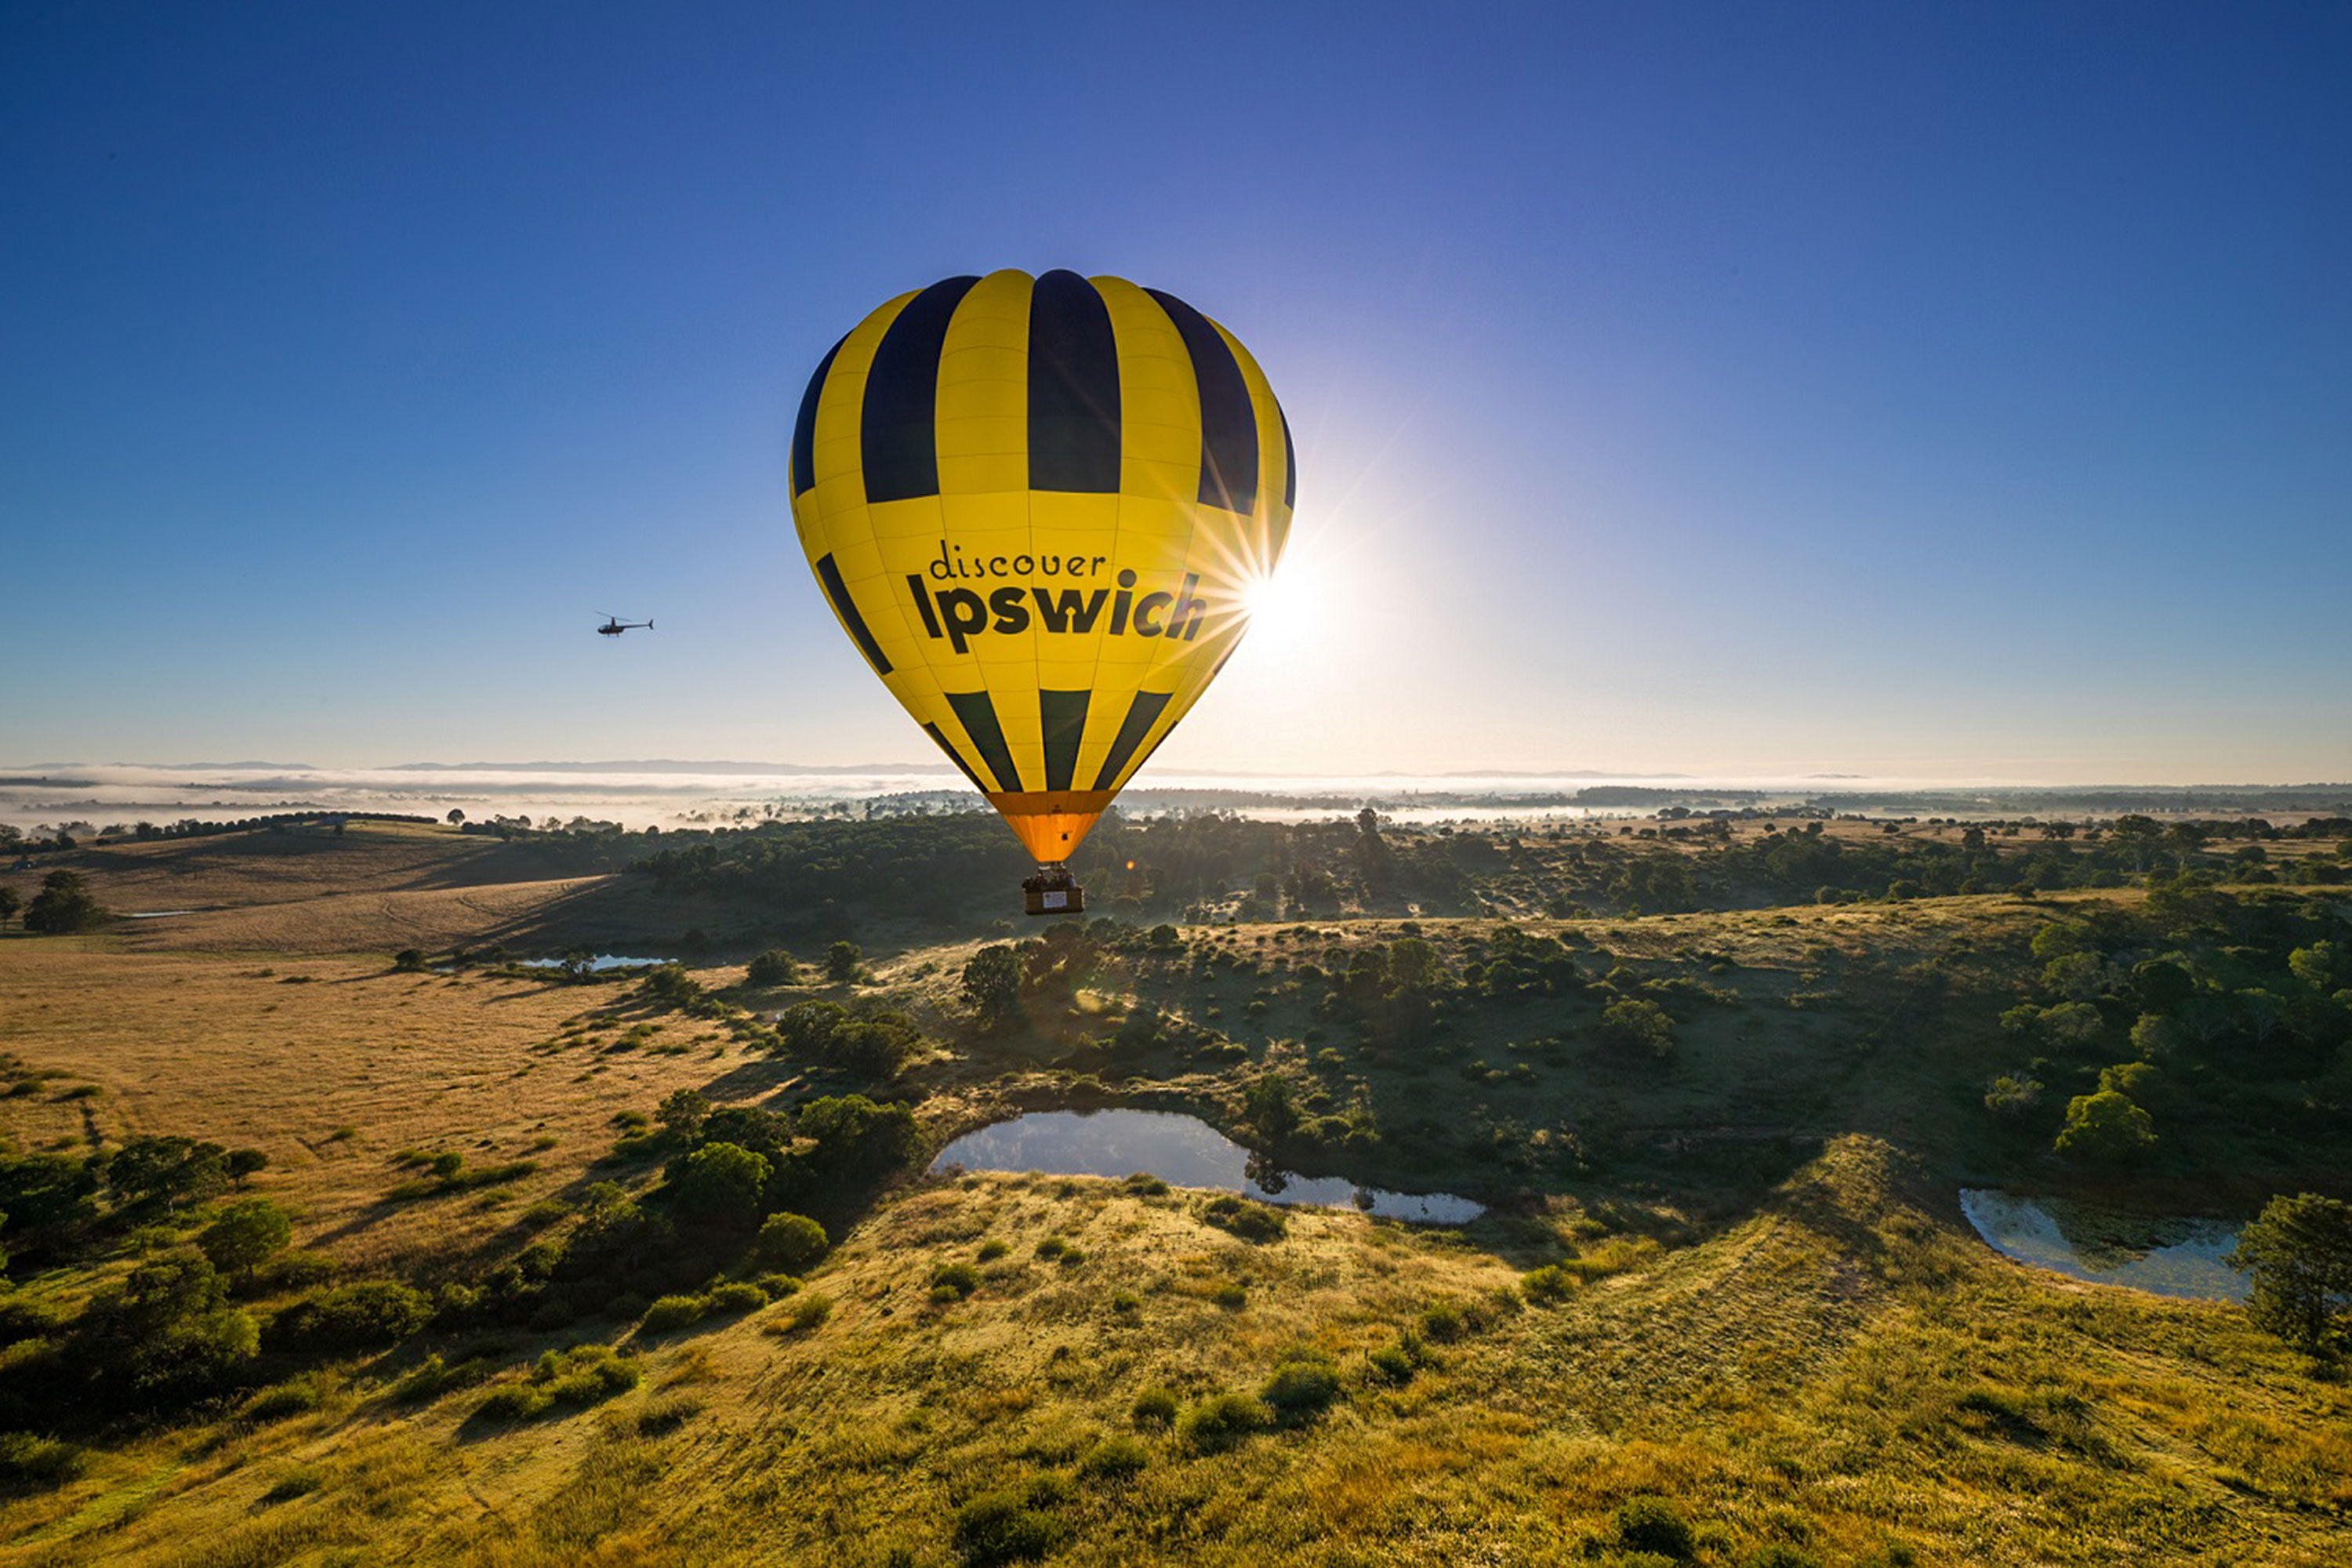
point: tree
(991, 984)
(792, 1240)
(843, 961)
(2298, 1254)
(456, 816)
(773, 967)
(246, 1234)
(9, 904)
(1639, 1027)
(2106, 1127)
(169, 1170)
(722, 1182)
(682, 1113)
(243, 1163)
(63, 906)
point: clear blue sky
(1943, 390)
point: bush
(511, 1402)
(792, 1240)
(587, 1375)
(356, 1317)
(1009, 1526)
(1779, 1555)
(805, 1313)
(1113, 1459)
(734, 1297)
(1222, 1420)
(1638, 1028)
(991, 1249)
(1302, 1387)
(773, 967)
(1154, 1407)
(1653, 1524)
(1251, 1222)
(666, 1413)
(1550, 1285)
(1393, 1364)
(284, 1399)
(957, 1279)
(670, 1313)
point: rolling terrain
(1722, 1309)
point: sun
(1280, 606)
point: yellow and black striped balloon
(1038, 507)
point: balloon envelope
(1037, 507)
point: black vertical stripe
(846, 608)
(956, 757)
(1289, 463)
(1064, 715)
(898, 443)
(1141, 714)
(1074, 410)
(1228, 424)
(978, 715)
(804, 426)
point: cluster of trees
(2191, 1016)
(64, 905)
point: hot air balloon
(1037, 506)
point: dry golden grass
(282, 1056)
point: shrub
(511, 1402)
(1392, 1364)
(1251, 1222)
(356, 1317)
(410, 960)
(957, 1279)
(286, 1399)
(991, 1249)
(1779, 1555)
(1638, 1028)
(432, 1377)
(1113, 1459)
(670, 1313)
(300, 1482)
(1302, 1387)
(1222, 1420)
(792, 1240)
(1014, 1525)
(1653, 1524)
(773, 967)
(1145, 1186)
(244, 1235)
(1550, 1285)
(1154, 1407)
(1230, 1297)
(1444, 1321)
(806, 1312)
(737, 1296)
(587, 1375)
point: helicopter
(614, 626)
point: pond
(596, 965)
(1182, 1151)
(2165, 1256)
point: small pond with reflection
(1182, 1151)
(2164, 1256)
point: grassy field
(1762, 1335)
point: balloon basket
(1053, 891)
